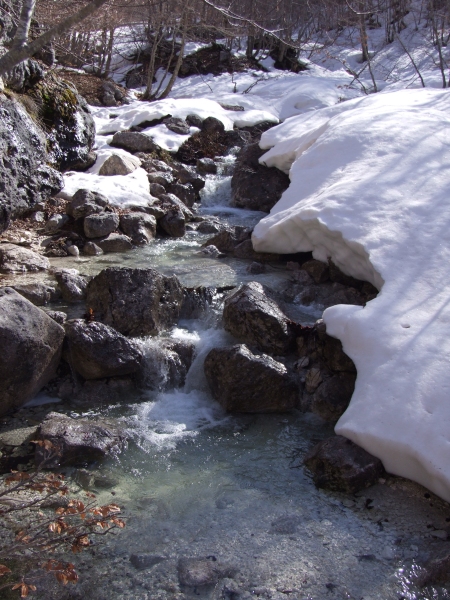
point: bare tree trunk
(109, 52)
(13, 57)
(23, 27)
(176, 70)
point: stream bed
(232, 490)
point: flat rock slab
(340, 465)
(15, 259)
(79, 441)
(243, 382)
(17, 437)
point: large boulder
(16, 259)
(133, 141)
(31, 344)
(97, 351)
(340, 465)
(255, 319)
(135, 301)
(247, 383)
(255, 186)
(25, 177)
(78, 441)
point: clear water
(196, 482)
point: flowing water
(196, 482)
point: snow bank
(370, 187)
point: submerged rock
(78, 441)
(199, 572)
(255, 319)
(340, 465)
(247, 383)
(97, 351)
(135, 301)
(31, 344)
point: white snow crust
(370, 188)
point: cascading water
(198, 483)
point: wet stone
(143, 560)
(340, 465)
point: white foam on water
(217, 191)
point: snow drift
(370, 188)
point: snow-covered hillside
(370, 188)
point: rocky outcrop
(70, 127)
(243, 382)
(135, 301)
(78, 441)
(253, 185)
(16, 259)
(255, 319)
(340, 465)
(25, 177)
(97, 351)
(31, 344)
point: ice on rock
(370, 188)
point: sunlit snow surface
(370, 188)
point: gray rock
(135, 301)
(335, 356)
(173, 223)
(78, 441)
(115, 242)
(256, 268)
(253, 318)
(16, 259)
(25, 177)
(97, 351)
(194, 121)
(98, 392)
(96, 226)
(206, 166)
(161, 177)
(212, 125)
(186, 174)
(340, 465)
(31, 345)
(177, 125)
(332, 397)
(17, 437)
(211, 252)
(117, 164)
(157, 190)
(55, 223)
(151, 165)
(185, 192)
(255, 186)
(38, 293)
(246, 383)
(25, 75)
(227, 240)
(170, 201)
(199, 572)
(92, 249)
(73, 250)
(197, 302)
(38, 217)
(72, 284)
(85, 202)
(210, 227)
(57, 315)
(139, 226)
(133, 141)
